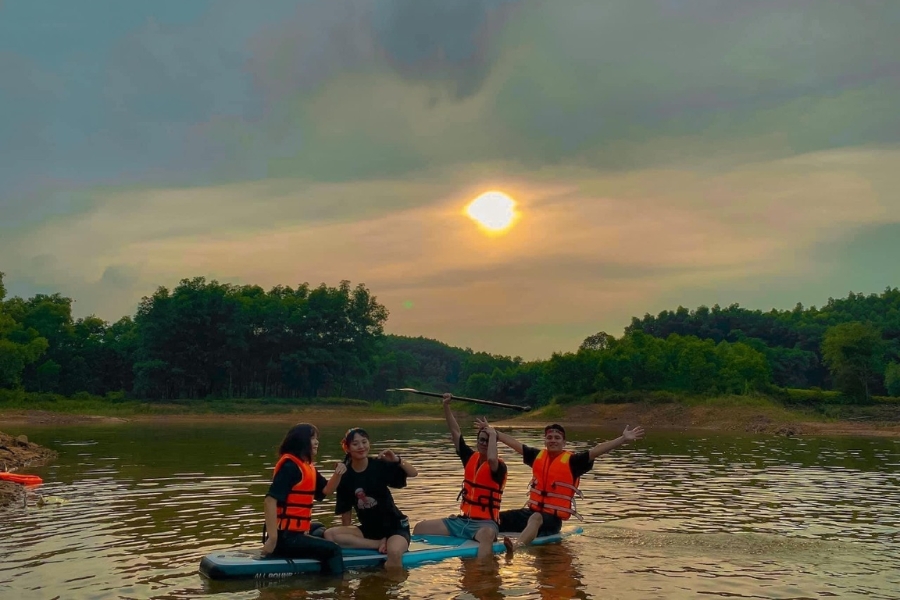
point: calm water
(674, 516)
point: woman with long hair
(364, 486)
(288, 504)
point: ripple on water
(672, 517)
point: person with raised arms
(555, 477)
(483, 484)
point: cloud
(600, 85)
(662, 152)
(593, 248)
(220, 92)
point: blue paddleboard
(249, 563)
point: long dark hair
(298, 441)
(348, 439)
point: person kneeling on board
(288, 504)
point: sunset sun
(494, 211)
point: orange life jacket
(295, 514)
(480, 493)
(553, 488)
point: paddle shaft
(464, 399)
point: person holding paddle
(288, 503)
(364, 486)
(555, 477)
(483, 484)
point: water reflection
(556, 573)
(375, 585)
(353, 585)
(481, 579)
(712, 515)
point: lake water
(673, 516)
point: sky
(661, 153)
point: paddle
(474, 400)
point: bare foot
(382, 547)
(509, 545)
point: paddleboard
(20, 479)
(250, 564)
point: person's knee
(329, 534)
(486, 534)
(536, 519)
(396, 546)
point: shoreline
(672, 417)
(16, 452)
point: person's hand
(481, 423)
(390, 456)
(340, 468)
(633, 434)
(446, 398)
(269, 546)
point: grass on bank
(783, 404)
(117, 405)
(810, 404)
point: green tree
(599, 341)
(479, 385)
(854, 352)
(20, 346)
(741, 368)
(892, 379)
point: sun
(494, 211)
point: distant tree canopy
(792, 340)
(208, 339)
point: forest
(205, 339)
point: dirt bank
(317, 415)
(17, 454)
(765, 419)
(744, 419)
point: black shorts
(379, 532)
(515, 521)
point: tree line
(205, 339)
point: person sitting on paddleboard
(483, 484)
(288, 504)
(554, 484)
(364, 487)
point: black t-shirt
(580, 462)
(368, 493)
(465, 453)
(287, 477)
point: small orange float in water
(21, 479)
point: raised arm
(339, 470)
(493, 457)
(451, 420)
(629, 435)
(507, 439)
(391, 456)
